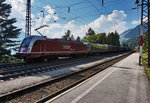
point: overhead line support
(28, 19)
(148, 33)
(145, 28)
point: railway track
(6, 65)
(57, 85)
(31, 69)
(35, 70)
(10, 66)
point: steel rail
(36, 69)
(34, 87)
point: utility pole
(148, 7)
(141, 35)
(145, 27)
(28, 19)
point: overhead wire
(93, 6)
(82, 19)
(113, 3)
(61, 9)
(59, 12)
(67, 13)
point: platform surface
(123, 82)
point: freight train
(40, 47)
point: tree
(90, 32)
(101, 38)
(67, 35)
(113, 38)
(117, 37)
(8, 32)
(94, 39)
(110, 38)
(90, 39)
(4, 54)
(71, 38)
(124, 44)
(134, 41)
(78, 38)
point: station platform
(123, 82)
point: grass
(10, 59)
(145, 64)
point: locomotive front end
(29, 49)
(24, 47)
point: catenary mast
(28, 19)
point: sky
(75, 15)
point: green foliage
(67, 35)
(78, 38)
(124, 44)
(10, 59)
(8, 32)
(145, 56)
(91, 39)
(71, 38)
(98, 38)
(102, 38)
(4, 55)
(113, 38)
(133, 42)
(145, 49)
(90, 32)
(145, 63)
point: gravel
(22, 82)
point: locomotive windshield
(26, 42)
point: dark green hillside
(133, 42)
(128, 34)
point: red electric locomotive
(34, 47)
(40, 47)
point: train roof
(55, 39)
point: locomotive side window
(26, 42)
(37, 43)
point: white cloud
(19, 11)
(105, 23)
(49, 17)
(135, 22)
(110, 23)
(51, 13)
(18, 7)
(49, 9)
